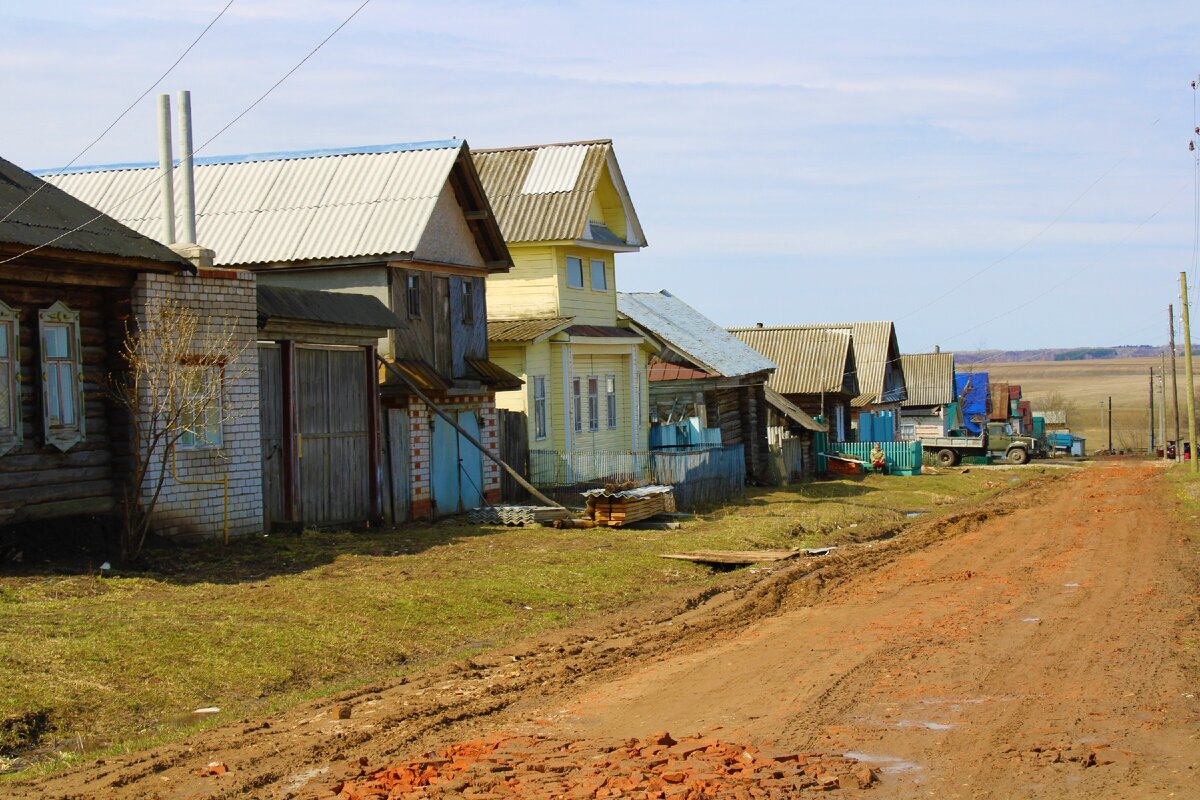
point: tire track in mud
(267, 756)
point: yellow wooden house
(565, 214)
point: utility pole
(1162, 403)
(1174, 384)
(1110, 447)
(1150, 438)
(1188, 375)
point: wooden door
(270, 416)
(457, 465)
(334, 438)
(470, 463)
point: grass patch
(269, 622)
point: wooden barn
(700, 371)
(66, 280)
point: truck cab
(1001, 441)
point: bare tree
(172, 388)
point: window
(468, 301)
(577, 404)
(610, 399)
(201, 407)
(413, 296)
(10, 380)
(539, 406)
(574, 272)
(599, 281)
(62, 390)
(593, 403)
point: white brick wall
(194, 511)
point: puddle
(929, 726)
(1072, 585)
(1032, 619)
(911, 514)
(887, 764)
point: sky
(1001, 175)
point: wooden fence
(699, 477)
(513, 435)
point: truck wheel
(1018, 455)
(947, 457)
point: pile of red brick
(692, 768)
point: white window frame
(11, 432)
(593, 386)
(577, 404)
(610, 400)
(207, 433)
(539, 407)
(58, 434)
(599, 262)
(575, 261)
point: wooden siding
(589, 306)
(529, 289)
(270, 413)
(39, 482)
(374, 281)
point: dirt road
(1043, 644)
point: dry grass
(267, 622)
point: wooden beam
(373, 466)
(287, 438)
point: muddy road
(1044, 643)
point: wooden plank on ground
(733, 556)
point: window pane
(52, 404)
(54, 338)
(67, 391)
(574, 272)
(5, 332)
(598, 279)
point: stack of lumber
(613, 509)
(517, 516)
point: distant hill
(1061, 354)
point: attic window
(574, 272)
(554, 169)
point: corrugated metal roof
(794, 412)
(525, 330)
(492, 374)
(278, 207)
(50, 217)
(338, 308)
(544, 192)
(691, 334)
(641, 491)
(929, 378)
(1054, 417)
(663, 371)
(601, 332)
(810, 359)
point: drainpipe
(165, 166)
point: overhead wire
(128, 108)
(208, 141)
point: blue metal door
(444, 467)
(470, 462)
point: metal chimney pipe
(165, 166)
(186, 183)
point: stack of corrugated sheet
(615, 508)
(516, 516)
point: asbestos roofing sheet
(282, 207)
(554, 169)
(929, 378)
(691, 334)
(809, 359)
(525, 330)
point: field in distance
(1084, 387)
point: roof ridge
(278, 155)
(515, 148)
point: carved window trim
(68, 369)
(12, 430)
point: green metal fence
(903, 458)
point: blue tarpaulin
(972, 388)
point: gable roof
(875, 348)
(691, 334)
(45, 217)
(929, 379)
(309, 205)
(545, 192)
(811, 359)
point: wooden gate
(457, 465)
(334, 438)
(513, 439)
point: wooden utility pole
(1188, 375)
(1110, 447)
(1150, 438)
(1162, 403)
(1174, 384)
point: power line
(208, 141)
(128, 108)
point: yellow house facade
(552, 319)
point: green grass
(269, 622)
